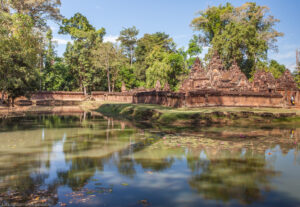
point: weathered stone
(286, 82)
(264, 82)
(216, 63)
(198, 78)
(166, 87)
(233, 80)
(158, 86)
(216, 77)
(123, 89)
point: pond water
(90, 160)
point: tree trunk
(131, 56)
(108, 80)
(41, 70)
(108, 73)
(84, 90)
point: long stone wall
(210, 98)
(123, 97)
(198, 98)
(59, 95)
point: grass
(156, 114)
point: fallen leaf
(125, 184)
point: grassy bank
(166, 116)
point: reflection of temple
(216, 78)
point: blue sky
(173, 17)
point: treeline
(89, 64)
(28, 59)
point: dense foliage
(243, 33)
(28, 60)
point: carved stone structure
(216, 63)
(216, 77)
(263, 82)
(198, 78)
(233, 80)
(158, 86)
(166, 87)
(123, 89)
(286, 82)
(287, 87)
(214, 86)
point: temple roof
(286, 81)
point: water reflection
(52, 160)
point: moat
(86, 159)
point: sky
(174, 17)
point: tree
(194, 47)
(78, 54)
(108, 57)
(49, 58)
(126, 75)
(19, 55)
(297, 74)
(128, 38)
(165, 67)
(243, 33)
(38, 10)
(146, 45)
(276, 69)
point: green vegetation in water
(107, 161)
(167, 116)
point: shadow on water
(88, 159)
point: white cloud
(60, 41)
(111, 38)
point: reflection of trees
(88, 152)
(126, 166)
(151, 161)
(156, 164)
(237, 170)
(21, 184)
(81, 170)
(226, 176)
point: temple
(215, 77)
(205, 86)
(217, 86)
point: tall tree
(78, 54)
(146, 45)
(242, 33)
(19, 50)
(38, 10)
(165, 67)
(128, 39)
(276, 69)
(108, 57)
